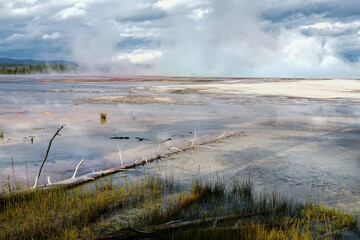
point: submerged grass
(105, 210)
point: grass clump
(71, 213)
(238, 212)
(1, 132)
(53, 214)
(105, 210)
(103, 116)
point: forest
(13, 69)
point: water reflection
(103, 121)
(291, 143)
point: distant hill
(33, 62)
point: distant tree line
(11, 69)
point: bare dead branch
(193, 141)
(46, 155)
(77, 167)
(120, 156)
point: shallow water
(299, 146)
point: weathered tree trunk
(74, 181)
(178, 224)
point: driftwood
(169, 139)
(128, 233)
(46, 155)
(119, 137)
(179, 224)
(140, 139)
(74, 181)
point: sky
(243, 38)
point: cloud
(166, 4)
(188, 37)
(54, 35)
(228, 42)
(175, 5)
(77, 10)
(138, 56)
(16, 36)
(200, 13)
(332, 28)
(235, 39)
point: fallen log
(129, 234)
(75, 181)
(178, 224)
(119, 137)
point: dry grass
(107, 209)
(63, 214)
(103, 116)
(281, 218)
(1, 132)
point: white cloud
(16, 36)
(54, 35)
(194, 37)
(138, 56)
(77, 10)
(22, 36)
(22, 1)
(302, 50)
(332, 26)
(200, 13)
(139, 31)
(166, 4)
(173, 4)
(20, 11)
(17, 8)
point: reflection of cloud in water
(289, 145)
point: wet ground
(300, 146)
